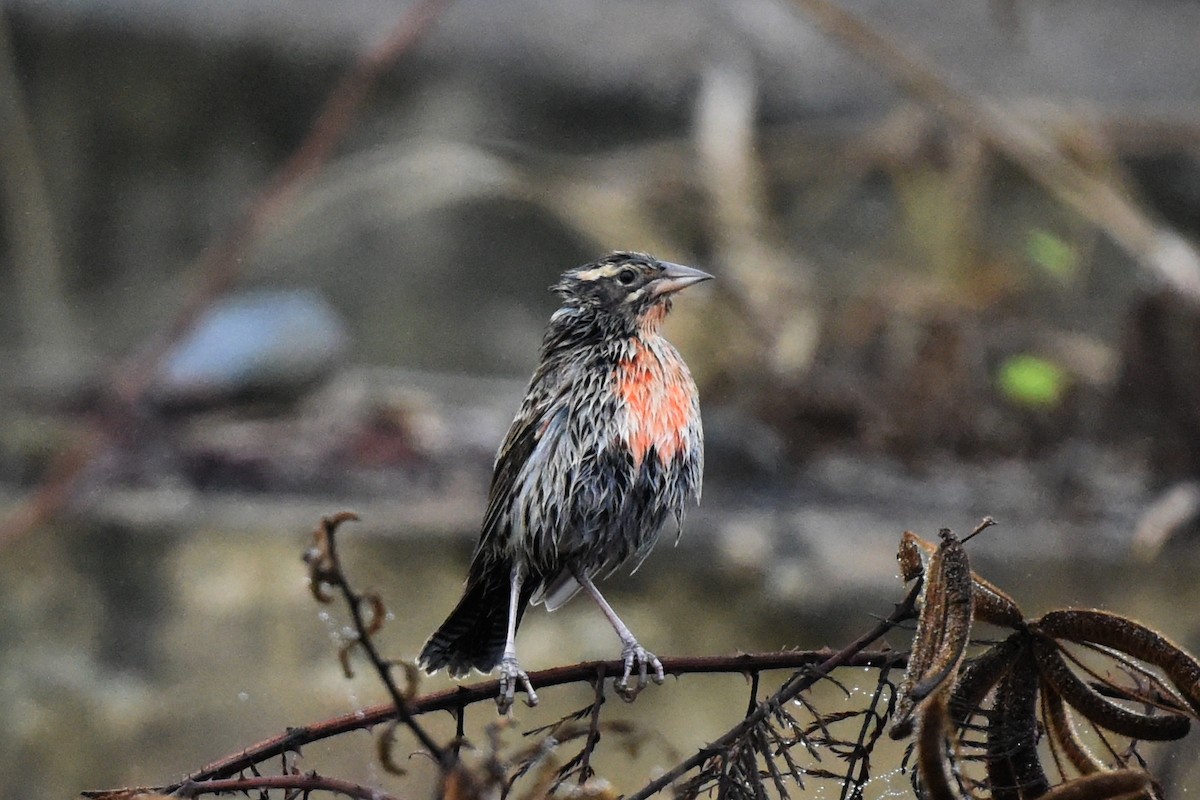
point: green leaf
(1057, 257)
(1033, 381)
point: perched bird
(606, 449)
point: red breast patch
(658, 399)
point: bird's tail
(474, 634)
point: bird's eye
(626, 277)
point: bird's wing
(537, 426)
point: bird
(606, 449)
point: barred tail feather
(474, 634)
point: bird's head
(632, 287)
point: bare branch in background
(217, 269)
(771, 283)
(218, 266)
(1157, 248)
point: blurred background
(264, 261)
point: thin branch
(984, 524)
(797, 684)
(852, 786)
(767, 736)
(593, 736)
(58, 484)
(460, 730)
(752, 703)
(332, 574)
(461, 696)
(300, 783)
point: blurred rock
(253, 345)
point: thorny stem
(355, 600)
(797, 684)
(457, 698)
(303, 784)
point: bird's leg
(510, 669)
(631, 651)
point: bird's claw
(511, 675)
(634, 653)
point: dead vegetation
(1062, 706)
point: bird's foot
(511, 675)
(634, 653)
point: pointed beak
(675, 277)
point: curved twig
(980, 675)
(1064, 739)
(326, 568)
(791, 689)
(1090, 626)
(1099, 710)
(1122, 783)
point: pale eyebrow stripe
(607, 271)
